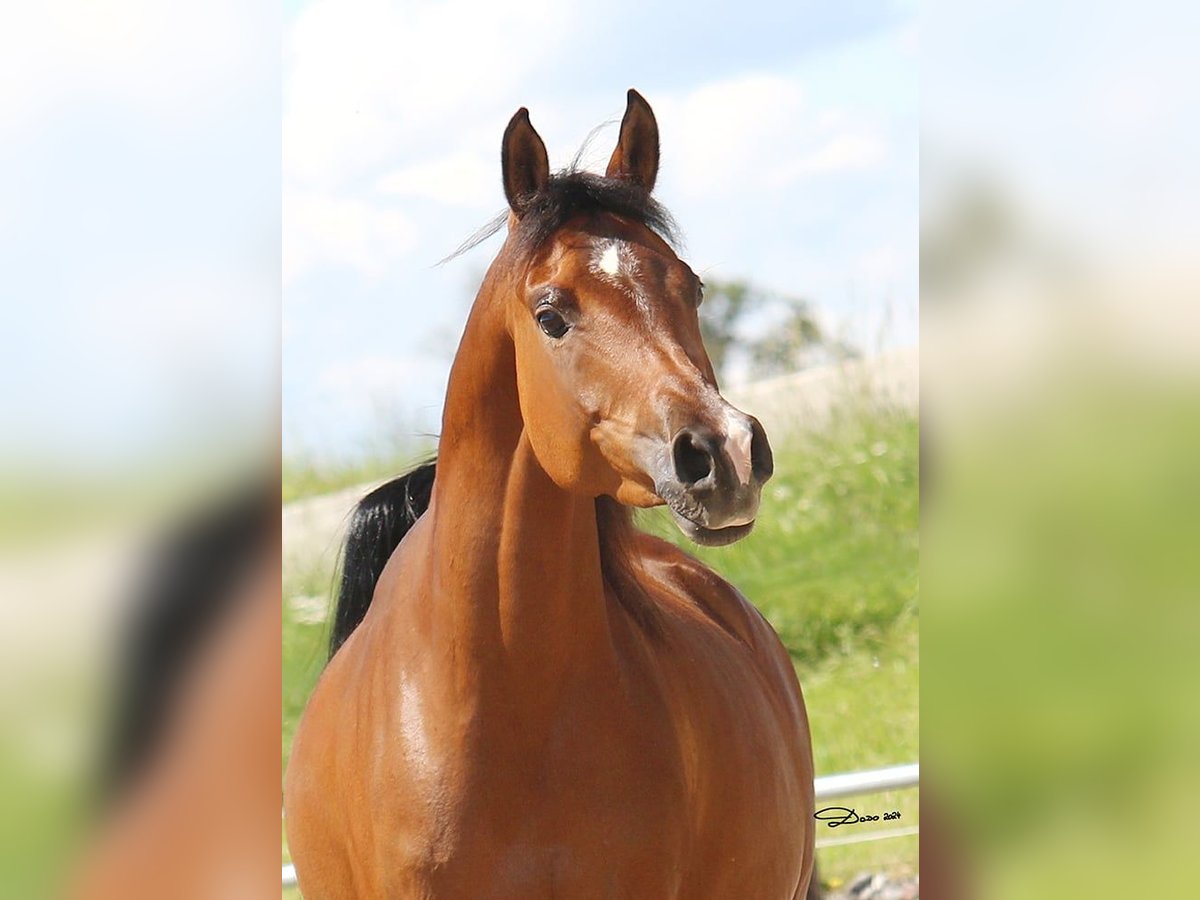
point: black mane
(571, 193)
(190, 589)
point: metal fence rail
(871, 781)
(827, 787)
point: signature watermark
(834, 816)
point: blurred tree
(972, 226)
(789, 337)
(724, 307)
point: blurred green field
(832, 563)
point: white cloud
(729, 128)
(463, 179)
(321, 229)
(759, 130)
(365, 79)
(843, 153)
(372, 88)
(168, 59)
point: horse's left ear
(636, 156)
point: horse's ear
(636, 156)
(524, 162)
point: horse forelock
(567, 195)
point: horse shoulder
(700, 591)
(704, 596)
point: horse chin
(712, 537)
(631, 493)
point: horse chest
(565, 822)
(602, 801)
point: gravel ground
(878, 886)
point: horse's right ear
(523, 161)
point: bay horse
(527, 697)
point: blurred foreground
(139, 629)
(1061, 413)
(141, 705)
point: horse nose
(699, 454)
(694, 453)
(717, 472)
(762, 461)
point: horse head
(616, 390)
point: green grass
(833, 564)
(305, 476)
(832, 561)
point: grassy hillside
(832, 563)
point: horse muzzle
(715, 476)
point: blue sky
(140, 150)
(139, 232)
(789, 140)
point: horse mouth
(692, 519)
(711, 537)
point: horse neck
(517, 571)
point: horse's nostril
(762, 462)
(693, 458)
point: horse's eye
(699, 293)
(551, 322)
